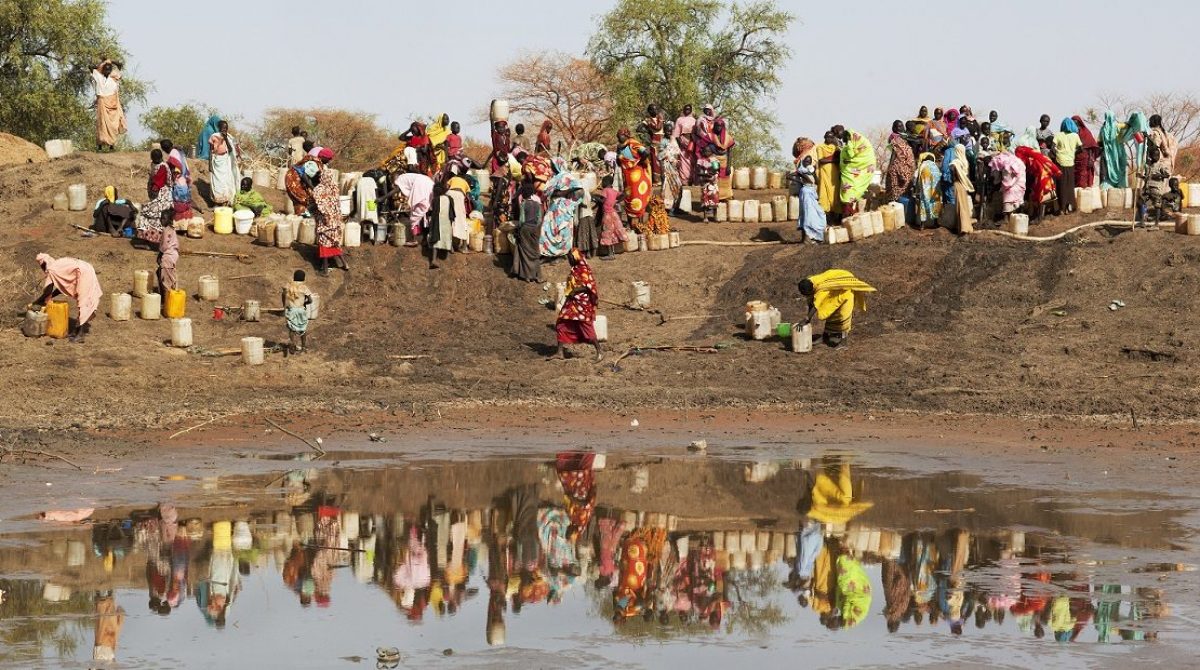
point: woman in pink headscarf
(75, 279)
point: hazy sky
(861, 64)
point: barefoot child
(612, 231)
(296, 299)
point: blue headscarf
(1068, 126)
(210, 129)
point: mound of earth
(16, 151)
(975, 325)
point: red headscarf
(1085, 135)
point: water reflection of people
(216, 594)
(110, 619)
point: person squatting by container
(296, 299)
(576, 320)
(832, 296)
(75, 279)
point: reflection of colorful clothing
(553, 533)
(579, 486)
(854, 590)
(635, 169)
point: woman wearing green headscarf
(1113, 160)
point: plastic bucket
(783, 330)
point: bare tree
(565, 89)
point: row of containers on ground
(54, 320)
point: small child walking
(296, 299)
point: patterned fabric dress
(634, 160)
(150, 217)
(900, 169)
(558, 223)
(929, 197)
(579, 486)
(575, 320)
(857, 167)
(330, 226)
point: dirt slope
(976, 325)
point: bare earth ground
(982, 325)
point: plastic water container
(759, 325)
(484, 178)
(346, 203)
(759, 178)
(775, 180)
(176, 305)
(58, 319)
(793, 208)
(210, 288)
(656, 242)
(722, 214)
(151, 307)
(779, 207)
(77, 197)
(141, 283)
(766, 212)
(58, 148)
(60, 202)
(498, 110)
(737, 210)
(639, 294)
(476, 242)
(487, 245)
(252, 350)
(353, 235)
(890, 215)
(801, 337)
(601, 326)
(642, 242)
(631, 242)
(266, 233)
(308, 232)
(250, 310)
(750, 211)
(1128, 198)
(1114, 198)
(831, 234)
(281, 178)
(1194, 195)
(675, 240)
(877, 222)
(262, 177)
(242, 220)
(1017, 224)
(854, 227)
(181, 333)
(195, 228)
(284, 235)
(35, 323)
(222, 220)
(560, 295)
(314, 308)
(685, 200)
(120, 307)
(741, 178)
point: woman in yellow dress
(832, 296)
(828, 176)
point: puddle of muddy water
(553, 562)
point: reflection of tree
(30, 623)
(757, 615)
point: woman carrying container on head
(296, 299)
(832, 296)
(75, 279)
(576, 320)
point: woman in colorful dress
(634, 159)
(562, 193)
(812, 217)
(1040, 172)
(151, 216)
(929, 196)
(1086, 156)
(901, 166)
(828, 177)
(857, 168)
(669, 157)
(578, 315)
(331, 229)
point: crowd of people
(954, 170)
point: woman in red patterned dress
(576, 320)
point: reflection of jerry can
(222, 535)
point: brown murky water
(837, 560)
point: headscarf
(964, 168)
(951, 118)
(1068, 126)
(1028, 138)
(110, 193)
(1085, 135)
(802, 148)
(202, 149)
(326, 154)
(76, 279)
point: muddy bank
(975, 326)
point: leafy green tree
(678, 52)
(181, 125)
(47, 51)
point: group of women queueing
(953, 169)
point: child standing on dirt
(612, 232)
(707, 169)
(296, 299)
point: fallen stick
(39, 452)
(409, 357)
(715, 243)
(943, 510)
(86, 230)
(698, 317)
(700, 350)
(188, 430)
(217, 254)
(314, 447)
(243, 277)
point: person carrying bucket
(576, 320)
